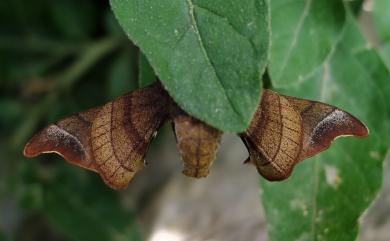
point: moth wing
(197, 143)
(322, 123)
(111, 140)
(122, 131)
(69, 137)
(274, 137)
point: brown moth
(286, 130)
(113, 139)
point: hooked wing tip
(361, 129)
(42, 142)
(346, 124)
(54, 139)
(337, 124)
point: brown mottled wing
(111, 140)
(122, 131)
(286, 130)
(69, 137)
(198, 144)
(274, 137)
(322, 123)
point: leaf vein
(297, 32)
(194, 26)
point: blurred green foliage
(57, 58)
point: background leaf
(355, 6)
(327, 194)
(74, 19)
(381, 18)
(385, 53)
(206, 53)
(120, 76)
(303, 35)
(58, 58)
(381, 21)
(81, 207)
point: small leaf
(146, 74)
(325, 197)
(303, 35)
(208, 54)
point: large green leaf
(303, 35)
(326, 195)
(208, 54)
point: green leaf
(385, 53)
(121, 75)
(11, 111)
(73, 19)
(78, 203)
(208, 54)
(382, 19)
(303, 35)
(355, 6)
(146, 74)
(327, 194)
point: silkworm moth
(113, 139)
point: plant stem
(91, 55)
(88, 58)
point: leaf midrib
(294, 40)
(194, 26)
